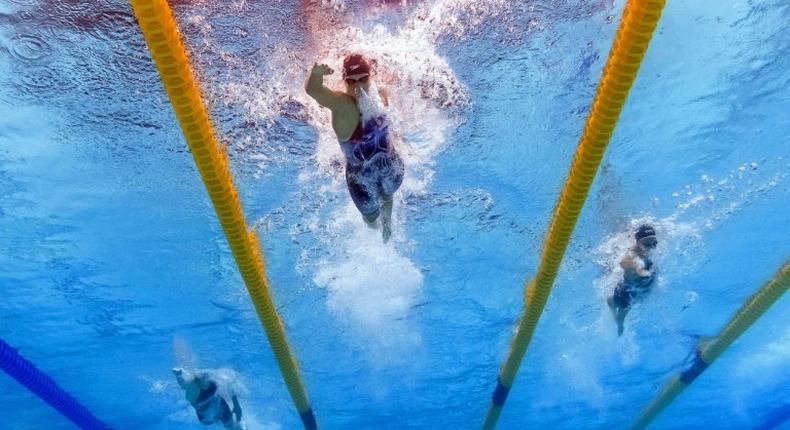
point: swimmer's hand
(321, 70)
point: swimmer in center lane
(374, 170)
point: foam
(370, 285)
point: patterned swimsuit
(374, 170)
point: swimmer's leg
(392, 178)
(616, 314)
(386, 218)
(236, 408)
(233, 425)
(366, 203)
(370, 219)
(619, 318)
(620, 304)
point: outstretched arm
(315, 88)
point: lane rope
(708, 351)
(40, 384)
(639, 20)
(167, 50)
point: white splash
(371, 287)
(370, 105)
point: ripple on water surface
(29, 47)
(40, 80)
(71, 6)
(109, 25)
(23, 2)
(133, 63)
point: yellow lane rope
(164, 42)
(630, 43)
(708, 351)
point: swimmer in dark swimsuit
(211, 407)
(374, 170)
(638, 276)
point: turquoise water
(113, 267)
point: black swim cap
(644, 230)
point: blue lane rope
(44, 387)
(697, 367)
(776, 418)
(500, 394)
(308, 419)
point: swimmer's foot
(370, 219)
(619, 317)
(386, 232)
(371, 223)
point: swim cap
(355, 64)
(644, 230)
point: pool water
(114, 269)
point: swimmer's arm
(315, 88)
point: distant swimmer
(638, 276)
(374, 170)
(213, 399)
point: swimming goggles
(649, 241)
(362, 79)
